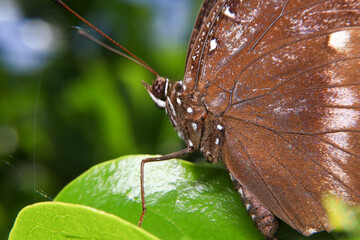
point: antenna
(97, 41)
(133, 57)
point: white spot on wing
(178, 101)
(235, 38)
(228, 13)
(340, 118)
(194, 126)
(189, 110)
(217, 141)
(213, 44)
(219, 127)
(190, 143)
(339, 40)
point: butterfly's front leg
(169, 156)
(265, 221)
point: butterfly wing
(204, 11)
(230, 27)
(289, 99)
(233, 28)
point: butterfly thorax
(189, 116)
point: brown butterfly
(272, 89)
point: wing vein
(278, 133)
(286, 81)
(204, 44)
(268, 53)
(263, 180)
(288, 171)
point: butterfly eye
(159, 88)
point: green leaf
(56, 220)
(184, 200)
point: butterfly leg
(155, 159)
(265, 221)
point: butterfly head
(183, 108)
(158, 91)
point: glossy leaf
(183, 200)
(56, 220)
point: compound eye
(159, 88)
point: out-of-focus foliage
(344, 218)
(90, 103)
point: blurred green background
(67, 104)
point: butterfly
(272, 89)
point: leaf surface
(56, 220)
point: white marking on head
(189, 110)
(219, 127)
(178, 101)
(228, 13)
(339, 40)
(194, 126)
(190, 143)
(213, 44)
(171, 106)
(217, 141)
(166, 86)
(160, 103)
